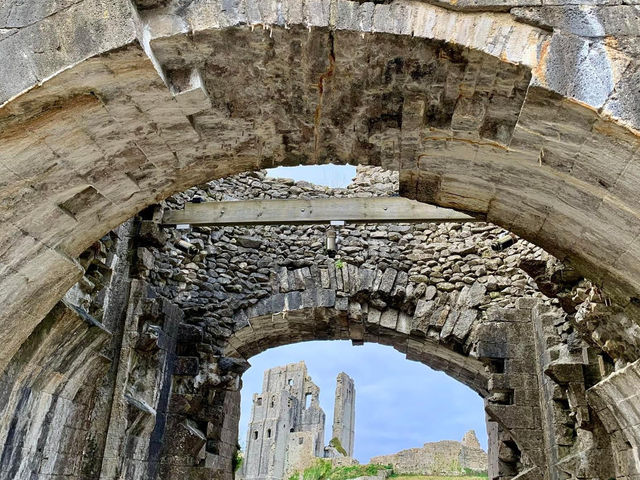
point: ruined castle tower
(344, 413)
(286, 412)
(286, 431)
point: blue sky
(329, 175)
(399, 403)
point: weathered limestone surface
(56, 392)
(527, 112)
(473, 456)
(446, 457)
(344, 413)
(49, 392)
(459, 101)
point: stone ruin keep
(286, 429)
(124, 341)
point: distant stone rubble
(446, 457)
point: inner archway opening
(399, 406)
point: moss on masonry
(335, 443)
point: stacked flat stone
(212, 273)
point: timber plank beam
(317, 210)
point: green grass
(438, 477)
(469, 475)
(322, 470)
(354, 471)
(319, 471)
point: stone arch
(92, 131)
(104, 137)
(317, 313)
(333, 304)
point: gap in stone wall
(400, 404)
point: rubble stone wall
(446, 457)
(213, 273)
(437, 293)
(445, 307)
(204, 300)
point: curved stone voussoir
(493, 33)
(269, 331)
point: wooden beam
(320, 210)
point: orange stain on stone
(540, 70)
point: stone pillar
(506, 345)
(146, 362)
(344, 413)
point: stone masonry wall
(281, 413)
(446, 457)
(227, 278)
(443, 282)
(211, 272)
(169, 402)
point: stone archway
(503, 342)
(316, 313)
(498, 343)
(104, 136)
(205, 299)
(478, 110)
(311, 297)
